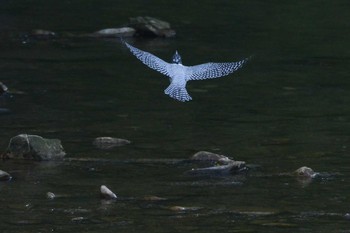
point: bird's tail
(178, 93)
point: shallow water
(285, 109)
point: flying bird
(179, 74)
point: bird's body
(180, 74)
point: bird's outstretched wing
(150, 60)
(214, 70)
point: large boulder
(151, 27)
(34, 147)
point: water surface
(287, 108)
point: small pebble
(78, 219)
(347, 216)
(4, 176)
(107, 193)
(50, 195)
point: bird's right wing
(150, 60)
(214, 70)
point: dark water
(287, 108)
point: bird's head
(177, 58)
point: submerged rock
(4, 176)
(183, 208)
(106, 143)
(107, 193)
(34, 147)
(154, 198)
(233, 167)
(151, 27)
(42, 34)
(114, 32)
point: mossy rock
(34, 147)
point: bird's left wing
(214, 70)
(150, 60)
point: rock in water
(107, 193)
(207, 156)
(3, 89)
(234, 167)
(4, 176)
(305, 172)
(42, 34)
(34, 147)
(50, 195)
(114, 32)
(148, 26)
(106, 143)
(210, 158)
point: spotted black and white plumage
(180, 74)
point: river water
(286, 108)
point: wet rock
(3, 89)
(42, 34)
(50, 195)
(79, 219)
(205, 156)
(177, 208)
(4, 94)
(106, 143)
(114, 32)
(183, 208)
(347, 216)
(305, 172)
(4, 176)
(107, 193)
(154, 198)
(233, 167)
(151, 27)
(34, 147)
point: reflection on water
(287, 108)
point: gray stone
(106, 143)
(34, 147)
(234, 167)
(3, 89)
(4, 176)
(50, 195)
(152, 27)
(114, 32)
(305, 172)
(107, 193)
(42, 34)
(205, 156)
